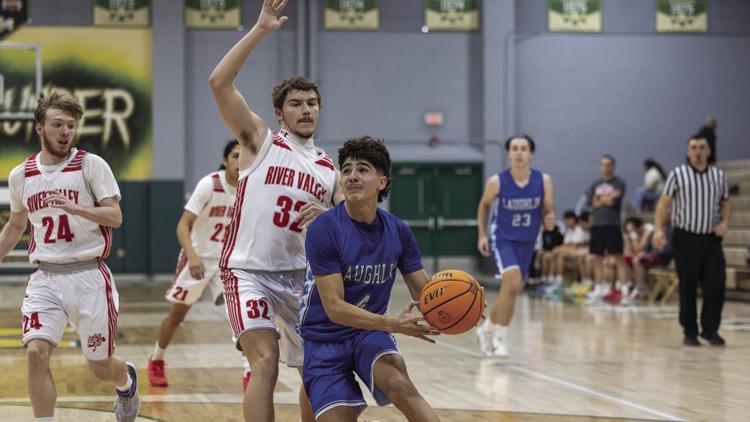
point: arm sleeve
(321, 247)
(671, 184)
(410, 259)
(100, 178)
(200, 196)
(15, 185)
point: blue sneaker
(128, 403)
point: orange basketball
(452, 301)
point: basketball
(452, 301)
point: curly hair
(374, 152)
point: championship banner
(352, 14)
(122, 12)
(574, 15)
(682, 16)
(212, 14)
(457, 15)
(13, 14)
(107, 69)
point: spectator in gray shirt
(605, 199)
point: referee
(700, 217)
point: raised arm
(248, 128)
(491, 190)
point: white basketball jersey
(285, 176)
(212, 201)
(56, 236)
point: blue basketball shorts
(510, 254)
(329, 369)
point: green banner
(212, 14)
(107, 69)
(13, 14)
(574, 15)
(457, 15)
(682, 16)
(122, 12)
(352, 14)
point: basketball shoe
(157, 377)
(501, 350)
(128, 403)
(484, 333)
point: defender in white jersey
(285, 182)
(71, 200)
(200, 232)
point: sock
(158, 352)
(44, 419)
(501, 331)
(125, 388)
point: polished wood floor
(568, 363)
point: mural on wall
(682, 16)
(574, 15)
(122, 12)
(352, 14)
(108, 70)
(458, 15)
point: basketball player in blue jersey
(353, 251)
(524, 197)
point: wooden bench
(664, 287)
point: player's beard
(55, 150)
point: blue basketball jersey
(366, 256)
(518, 216)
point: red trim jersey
(56, 236)
(263, 235)
(212, 202)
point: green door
(439, 202)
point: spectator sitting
(574, 239)
(653, 182)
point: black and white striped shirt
(697, 197)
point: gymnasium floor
(568, 363)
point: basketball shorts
(328, 373)
(606, 240)
(509, 254)
(266, 300)
(187, 290)
(86, 299)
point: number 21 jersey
(263, 235)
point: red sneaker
(246, 380)
(156, 375)
(614, 296)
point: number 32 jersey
(286, 175)
(212, 202)
(518, 216)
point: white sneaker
(128, 404)
(485, 340)
(501, 350)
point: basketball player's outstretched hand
(409, 324)
(308, 212)
(483, 246)
(269, 19)
(57, 200)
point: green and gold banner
(212, 14)
(458, 15)
(682, 16)
(574, 15)
(122, 12)
(352, 14)
(108, 70)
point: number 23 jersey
(286, 175)
(518, 216)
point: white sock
(125, 388)
(487, 325)
(44, 419)
(158, 352)
(501, 331)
